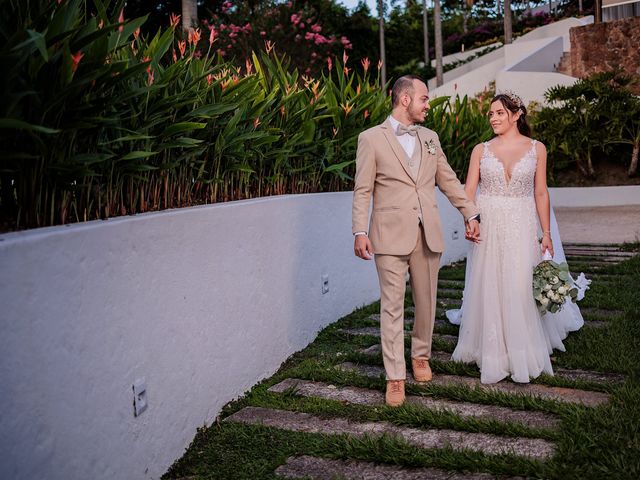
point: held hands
(472, 231)
(362, 247)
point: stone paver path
(364, 396)
(521, 433)
(306, 466)
(565, 395)
(423, 438)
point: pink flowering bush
(295, 30)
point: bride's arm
(473, 174)
(542, 198)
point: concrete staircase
(564, 66)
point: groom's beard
(415, 114)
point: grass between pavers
(602, 442)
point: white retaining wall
(201, 303)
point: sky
(350, 4)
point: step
(408, 321)
(451, 284)
(422, 438)
(364, 396)
(600, 312)
(565, 395)
(592, 246)
(315, 468)
(583, 252)
(375, 332)
(569, 374)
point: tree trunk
(437, 23)
(383, 58)
(508, 28)
(633, 167)
(425, 32)
(590, 169)
(597, 11)
(580, 6)
(189, 14)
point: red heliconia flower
(366, 114)
(379, 64)
(194, 36)
(329, 63)
(136, 33)
(365, 64)
(147, 59)
(173, 54)
(150, 77)
(209, 79)
(346, 71)
(174, 20)
(212, 35)
(182, 46)
(335, 132)
(248, 66)
(75, 60)
(282, 110)
(269, 45)
(256, 122)
(121, 20)
(358, 90)
(347, 108)
(345, 57)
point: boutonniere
(431, 147)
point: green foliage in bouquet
(552, 285)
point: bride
(501, 329)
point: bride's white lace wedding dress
(501, 329)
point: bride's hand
(547, 244)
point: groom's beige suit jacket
(399, 201)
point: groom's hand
(362, 247)
(472, 232)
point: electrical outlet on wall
(325, 283)
(454, 235)
(139, 397)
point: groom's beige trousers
(422, 265)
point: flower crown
(514, 98)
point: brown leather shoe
(421, 369)
(395, 393)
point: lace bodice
(493, 181)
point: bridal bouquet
(552, 286)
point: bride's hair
(514, 104)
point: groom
(399, 164)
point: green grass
(602, 442)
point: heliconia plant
(99, 120)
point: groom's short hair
(403, 84)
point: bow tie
(412, 130)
